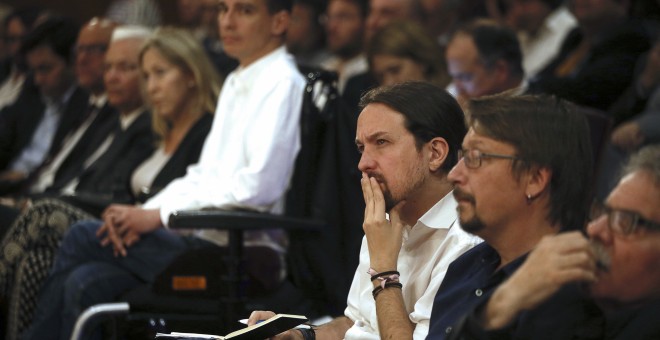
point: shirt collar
(249, 74)
(98, 100)
(126, 120)
(442, 215)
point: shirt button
(448, 330)
(478, 292)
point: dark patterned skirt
(26, 255)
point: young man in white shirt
(246, 161)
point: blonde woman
(181, 87)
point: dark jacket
(606, 72)
(19, 121)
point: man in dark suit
(34, 127)
(90, 50)
(107, 165)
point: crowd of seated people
(142, 144)
(110, 121)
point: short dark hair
(494, 42)
(275, 6)
(429, 112)
(547, 132)
(57, 33)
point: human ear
(538, 180)
(280, 23)
(439, 149)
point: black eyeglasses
(473, 157)
(620, 221)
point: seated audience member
(90, 50)
(521, 176)
(619, 266)
(379, 14)
(344, 27)
(33, 128)
(636, 117)
(383, 12)
(305, 38)
(91, 46)
(246, 161)
(182, 88)
(597, 59)
(409, 135)
(403, 51)
(15, 27)
(541, 26)
(484, 58)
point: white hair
(130, 32)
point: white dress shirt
(248, 157)
(540, 49)
(427, 250)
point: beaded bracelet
(379, 289)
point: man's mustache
(461, 195)
(603, 260)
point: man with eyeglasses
(619, 266)
(522, 175)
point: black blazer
(90, 198)
(186, 154)
(109, 174)
(19, 121)
(105, 123)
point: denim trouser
(85, 274)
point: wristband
(308, 333)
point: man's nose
(599, 229)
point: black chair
(323, 217)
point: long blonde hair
(180, 48)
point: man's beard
(474, 224)
(390, 201)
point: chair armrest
(239, 220)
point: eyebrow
(372, 136)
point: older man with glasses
(619, 267)
(522, 176)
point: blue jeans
(85, 274)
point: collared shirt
(125, 121)
(36, 151)
(248, 156)
(47, 175)
(471, 279)
(346, 69)
(540, 49)
(427, 250)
